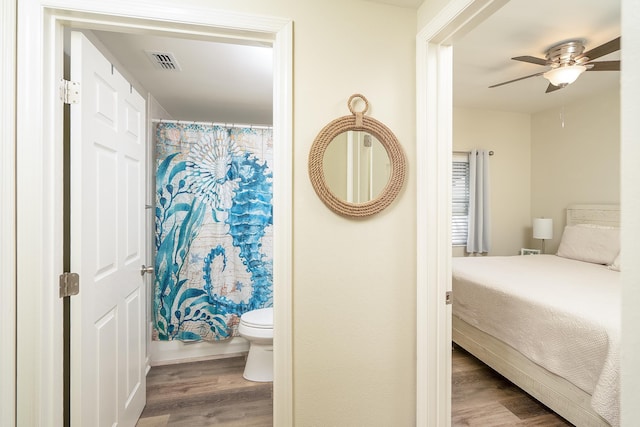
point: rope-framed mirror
(372, 130)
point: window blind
(460, 200)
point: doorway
(434, 64)
(435, 50)
(44, 130)
(195, 86)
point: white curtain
(479, 238)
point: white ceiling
(217, 82)
(524, 27)
(413, 4)
(232, 83)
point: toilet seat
(259, 319)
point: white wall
(509, 136)
(630, 150)
(577, 163)
(7, 213)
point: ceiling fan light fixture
(563, 76)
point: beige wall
(577, 163)
(540, 167)
(509, 136)
(353, 280)
(429, 9)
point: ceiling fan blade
(515, 80)
(531, 59)
(603, 49)
(604, 66)
(552, 88)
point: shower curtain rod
(469, 152)
(226, 125)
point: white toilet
(256, 326)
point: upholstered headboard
(594, 214)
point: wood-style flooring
(480, 397)
(213, 393)
(206, 393)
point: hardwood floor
(206, 393)
(213, 393)
(480, 397)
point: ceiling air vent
(163, 60)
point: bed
(550, 323)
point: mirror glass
(356, 166)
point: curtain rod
(225, 125)
(469, 152)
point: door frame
(39, 195)
(7, 213)
(434, 109)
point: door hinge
(69, 284)
(447, 297)
(69, 91)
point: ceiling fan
(566, 61)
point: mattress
(562, 314)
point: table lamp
(542, 229)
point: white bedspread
(562, 314)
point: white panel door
(108, 385)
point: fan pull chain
(564, 102)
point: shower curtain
(213, 229)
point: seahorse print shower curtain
(213, 229)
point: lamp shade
(563, 76)
(542, 228)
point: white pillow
(615, 265)
(589, 243)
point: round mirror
(349, 174)
(356, 166)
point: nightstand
(525, 251)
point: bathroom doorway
(198, 89)
(181, 94)
(200, 23)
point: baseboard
(170, 352)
